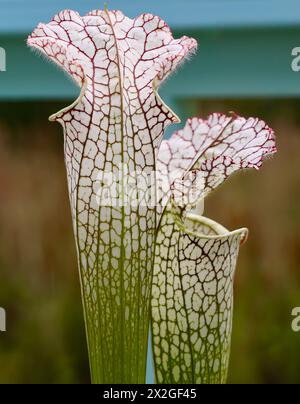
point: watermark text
(2, 320)
(296, 59)
(2, 60)
(296, 319)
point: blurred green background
(245, 67)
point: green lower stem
(116, 292)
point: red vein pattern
(118, 121)
(215, 148)
(116, 126)
(195, 260)
(192, 300)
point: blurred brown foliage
(45, 341)
(39, 285)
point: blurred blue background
(243, 64)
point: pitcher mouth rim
(220, 231)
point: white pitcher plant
(146, 261)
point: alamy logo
(296, 321)
(2, 320)
(2, 60)
(296, 61)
